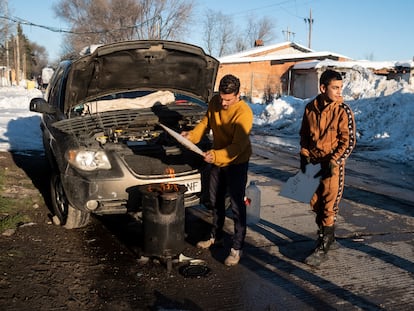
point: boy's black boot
(326, 237)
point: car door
(55, 96)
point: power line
(53, 29)
(260, 8)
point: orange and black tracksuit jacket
(327, 136)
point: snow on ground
(19, 127)
(383, 109)
(384, 112)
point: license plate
(193, 186)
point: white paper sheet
(301, 187)
(182, 140)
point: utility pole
(310, 22)
(17, 63)
(24, 60)
(287, 33)
(7, 53)
(6, 36)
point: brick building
(267, 69)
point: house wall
(5, 74)
(305, 83)
(256, 78)
(275, 77)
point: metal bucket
(163, 216)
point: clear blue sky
(360, 29)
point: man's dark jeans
(230, 180)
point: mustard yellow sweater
(231, 129)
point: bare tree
(218, 33)
(5, 27)
(221, 38)
(209, 31)
(4, 23)
(256, 29)
(165, 19)
(39, 58)
(106, 21)
(241, 44)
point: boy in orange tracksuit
(327, 136)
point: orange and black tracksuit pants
(325, 201)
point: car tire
(76, 218)
(65, 214)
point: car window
(54, 97)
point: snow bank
(383, 109)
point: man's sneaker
(207, 243)
(233, 258)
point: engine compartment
(136, 136)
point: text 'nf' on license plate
(193, 185)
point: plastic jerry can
(253, 202)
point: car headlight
(88, 160)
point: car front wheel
(65, 214)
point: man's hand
(209, 156)
(185, 134)
(327, 170)
(303, 162)
(332, 166)
(323, 173)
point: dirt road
(45, 267)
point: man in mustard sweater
(230, 119)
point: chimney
(258, 42)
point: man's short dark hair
(328, 75)
(229, 84)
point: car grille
(153, 167)
(89, 125)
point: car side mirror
(39, 104)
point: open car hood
(141, 65)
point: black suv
(101, 124)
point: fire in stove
(165, 187)
(170, 171)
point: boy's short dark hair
(229, 84)
(328, 75)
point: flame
(170, 171)
(165, 187)
(169, 187)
